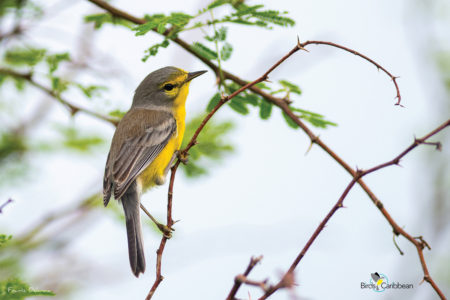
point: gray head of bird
(163, 86)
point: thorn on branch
(261, 284)
(255, 260)
(5, 204)
(287, 100)
(438, 145)
(73, 110)
(288, 280)
(309, 148)
(379, 204)
(300, 46)
(358, 173)
(423, 243)
(395, 242)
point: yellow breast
(155, 171)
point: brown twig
(164, 238)
(284, 106)
(73, 109)
(379, 67)
(238, 282)
(418, 241)
(16, 31)
(122, 14)
(191, 143)
(5, 204)
(243, 279)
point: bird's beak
(192, 75)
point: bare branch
(2, 206)
(284, 106)
(237, 282)
(418, 241)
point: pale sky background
(268, 197)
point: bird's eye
(169, 87)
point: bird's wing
(136, 143)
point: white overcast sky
(268, 197)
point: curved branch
(284, 106)
(418, 242)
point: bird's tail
(130, 202)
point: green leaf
(204, 51)
(262, 86)
(117, 113)
(313, 118)
(24, 56)
(217, 3)
(179, 19)
(12, 146)
(222, 33)
(274, 17)
(242, 22)
(4, 238)
(59, 85)
(19, 83)
(73, 139)
(289, 121)
(153, 22)
(306, 112)
(226, 51)
(318, 122)
(103, 18)
(244, 9)
(91, 90)
(265, 109)
(54, 60)
(153, 50)
(161, 27)
(249, 98)
(238, 106)
(219, 35)
(194, 170)
(253, 15)
(213, 102)
(212, 145)
(291, 87)
(159, 22)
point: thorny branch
(281, 103)
(237, 282)
(419, 242)
(3, 205)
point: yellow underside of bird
(380, 281)
(155, 171)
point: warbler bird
(144, 147)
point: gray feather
(130, 202)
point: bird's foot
(165, 230)
(183, 156)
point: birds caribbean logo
(144, 146)
(378, 280)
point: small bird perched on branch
(144, 146)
